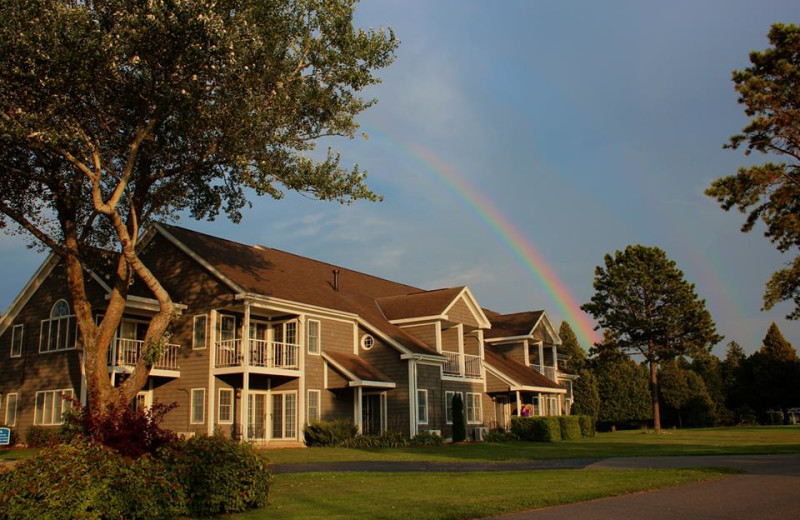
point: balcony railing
(548, 372)
(126, 353)
(265, 354)
(462, 365)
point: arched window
(60, 309)
(60, 331)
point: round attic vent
(367, 341)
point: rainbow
(506, 232)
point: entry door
(257, 416)
(259, 350)
(501, 411)
(371, 414)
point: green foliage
(459, 421)
(333, 433)
(427, 439)
(218, 474)
(776, 347)
(585, 394)
(537, 429)
(622, 386)
(39, 437)
(770, 192)
(642, 299)
(83, 479)
(385, 440)
(499, 435)
(571, 347)
(570, 427)
(587, 423)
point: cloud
(464, 275)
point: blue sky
(589, 125)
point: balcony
(548, 372)
(265, 356)
(123, 355)
(462, 365)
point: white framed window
(448, 403)
(284, 415)
(313, 403)
(200, 332)
(198, 406)
(422, 406)
(16, 340)
(367, 341)
(285, 332)
(59, 332)
(227, 327)
(313, 334)
(11, 409)
(225, 406)
(50, 406)
(474, 408)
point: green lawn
(386, 496)
(707, 441)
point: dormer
(527, 337)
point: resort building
(268, 341)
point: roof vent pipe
(335, 279)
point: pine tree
(459, 421)
(776, 346)
(571, 347)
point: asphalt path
(770, 489)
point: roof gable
(521, 325)
(435, 304)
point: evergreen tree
(770, 192)
(709, 368)
(571, 347)
(642, 298)
(459, 421)
(586, 395)
(621, 387)
(776, 346)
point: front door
(501, 411)
(257, 416)
(371, 414)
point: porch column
(555, 359)
(519, 405)
(245, 371)
(541, 357)
(246, 334)
(302, 351)
(541, 405)
(462, 361)
(357, 409)
(212, 361)
(526, 349)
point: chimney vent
(335, 279)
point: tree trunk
(654, 394)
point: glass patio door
(284, 416)
(257, 416)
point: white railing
(462, 365)
(265, 354)
(126, 353)
(548, 372)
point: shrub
(218, 474)
(459, 422)
(427, 439)
(500, 435)
(386, 440)
(132, 433)
(323, 433)
(86, 480)
(541, 429)
(570, 427)
(39, 437)
(587, 424)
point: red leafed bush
(132, 433)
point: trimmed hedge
(587, 423)
(570, 427)
(333, 433)
(552, 428)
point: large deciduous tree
(643, 301)
(770, 91)
(118, 112)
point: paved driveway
(769, 490)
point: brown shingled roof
(274, 273)
(418, 304)
(510, 325)
(357, 367)
(519, 373)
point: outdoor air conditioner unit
(479, 433)
(435, 432)
(185, 435)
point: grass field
(452, 496)
(708, 441)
